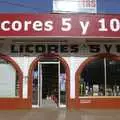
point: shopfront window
(8, 80)
(113, 78)
(100, 78)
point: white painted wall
(73, 60)
(73, 63)
(24, 64)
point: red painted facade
(59, 25)
(62, 26)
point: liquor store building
(59, 60)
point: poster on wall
(62, 81)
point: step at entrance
(49, 103)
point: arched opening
(99, 76)
(49, 81)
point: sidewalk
(59, 114)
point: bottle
(114, 90)
(91, 91)
(82, 87)
(117, 90)
(86, 89)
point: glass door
(49, 84)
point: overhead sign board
(79, 6)
(59, 25)
(88, 6)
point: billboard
(79, 6)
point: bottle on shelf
(117, 90)
(87, 89)
(114, 91)
(82, 87)
(91, 91)
(95, 89)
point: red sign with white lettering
(58, 25)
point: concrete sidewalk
(59, 114)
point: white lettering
(84, 26)
(5, 25)
(48, 26)
(16, 26)
(37, 25)
(102, 25)
(26, 25)
(66, 25)
(115, 25)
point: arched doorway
(99, 76)
(49, 81)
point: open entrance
(49, 84)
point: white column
(72, 78)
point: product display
(98, 90)
(116, 90)
(109, 92)
(86, 89)
(95, 90)
(91, 91)
(101, 90)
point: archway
(49, 57)
(104, 58)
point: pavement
(60, 114)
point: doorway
(49, 85)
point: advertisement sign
(91, 48)
(88, 6)
(81, 6)
(60, 25)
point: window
(100, 78)
(8, 80)
(113, 78)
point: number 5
(66, 25)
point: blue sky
(25, 5)
(108, 6)
(103, 6)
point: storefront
(59, 60)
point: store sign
(86, 6)
(59, 25)
(40, 48)
(73, 48)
